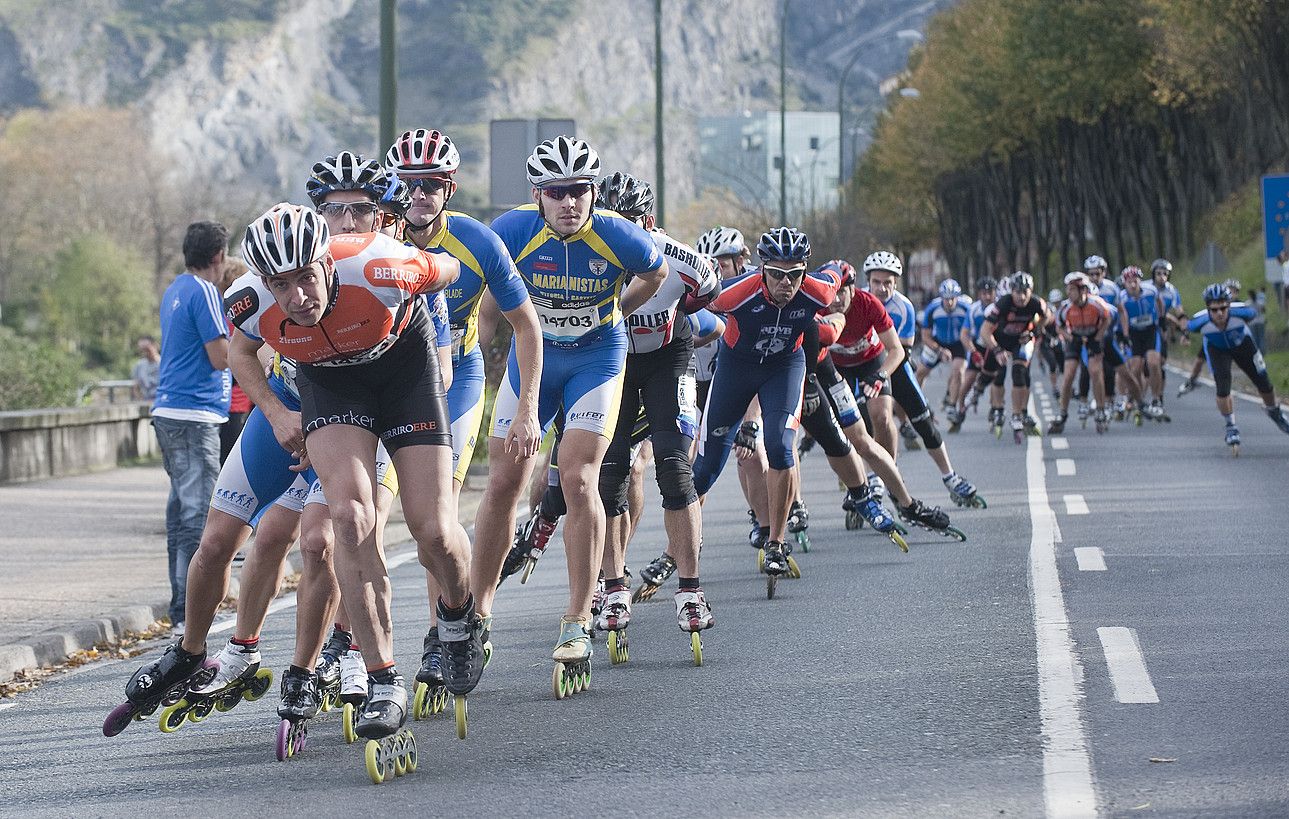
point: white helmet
(284, 238)
(423, 151)
(721, 241)
(883, 260)
(1093, 262)
(563, 157)
(1004, 287)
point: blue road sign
(1275, 220)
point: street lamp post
(841, 124)
(783, 116)
(658, 161)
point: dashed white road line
(1067, 765)
(1090, 558)
(1075, 505)
(5, 706)
(1127, 666)
(1065, 466)
(1060, 443)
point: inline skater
(366, 373)
(969, 394)
(1116, 348)
(1141, 312)
(1011, 325)
(1053, 350)
(575, 261)
(1160, 272)
(1080, 323)
(942, 323)
(658, 381)
(883, 270)
(1223, 325)
(427, 160)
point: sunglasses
(430, 184)
(557, 193)
(1218, 308)
(357, 209)
(779, 274)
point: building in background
(740, 154)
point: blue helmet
(949, 289)
(1216, 292)
(783, 244)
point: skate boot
(971, 399)
(300, 703)
(390, 749)
(694, 615)
(328, 666)
(798, 522)
(614, 619)
(163, 681)
(964, 493)
(756, 530)
(865, 505)
(1057, 426)
(431, 696)
(1031, 425)
(1156, 411)
(1085, 412)
(1018, 428)
(1120, 407)
(1102, 420)
(239, 677)
(653, 576)
(876, 488)
(910, 436)
(997, 418)
(1186, 386)
(530, 544)
(954, 416)
(597, 602)
(572, 658)
(930, 518)
(1277, 416)
(463, 658)
(1233, 439)
(353, 690)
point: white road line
(1090, 558)
(1128, 672)
(1075, 505)
(1060, 443)
(5, 706)
(1067, 766)
(1065, 466)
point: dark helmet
(624, 194)
(783, 244)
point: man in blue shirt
(193, 392)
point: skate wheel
(396, 753)
(349, 716)
(462, 713)
(898, 540)
(618, 647)
(529, 565)
(420, 707)
(118, 719)
(956, 533)
(794, 571)
(200, 710)
(258, 685)
(283, 748)
(374, 756)
(852, 521)
(803, 540)
(696, 646)
(770, 581)
(440, 700)
(410, 752)
(760, 560)
(979, 502)
(585, 682)
(559, 684)
(1235, 450)
(173, 717)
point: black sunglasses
(557, 193)
(430, 184)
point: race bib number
(458, 342)
(1259, 363)
(569, 322)
(1141, 321)
(686, 399)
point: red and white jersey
(654, 325)
(859, 340)
(377, 283)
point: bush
(35, 375)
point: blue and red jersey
(755, 327)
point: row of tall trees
(1045, 131)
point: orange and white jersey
(378, 282)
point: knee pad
(675, 480)
(1020, 373)
(553, 504)
(930, 435)
(615, 483)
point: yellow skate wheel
(440, 700)
(173, 716)
(347, 716)
(557, 682)
(760, 560)
(410, 752)
(794, 571)
(617, 648)
(696, 645)
(463, 715)
(374, 755)
(397, 747)
(420, 707)
(529, 565)
(585, 684)
(899, 541)
(201, 710)
(259, 685)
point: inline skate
(694, 615)
(300, 703)
(162, 682)
(863, 504)
(572, 656)
(653, 576)
(238, 678)
(931, 518)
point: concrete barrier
(53, 443)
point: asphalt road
(991, 678)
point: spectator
(1282, 287)
(192, 397)
(239, 407)
(147, 369)
(1258, 326)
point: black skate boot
(328, 666)
(462, 641)
(798, 523)
(300, 703)
(1277, 416)
(164, 681)
(1058, 426)
(652, 577)
(431, 695)
(931, 518)
(530, 544)
(385, 709)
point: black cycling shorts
(1078, 345)
(1144, 339)
(1247, 357)
(398, 397)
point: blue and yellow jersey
(575, 282)
(485, 262)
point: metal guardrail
(114, 392)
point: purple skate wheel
(284, 740)
(118, 718)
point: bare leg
(262, 572)
(209, 573)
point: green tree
(35, 375)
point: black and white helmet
(783, 244)
(623, 193)
(1021, 281)
(883, 260)
(346, 171)
(721, 241)
(284, 238)
(563, 157)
